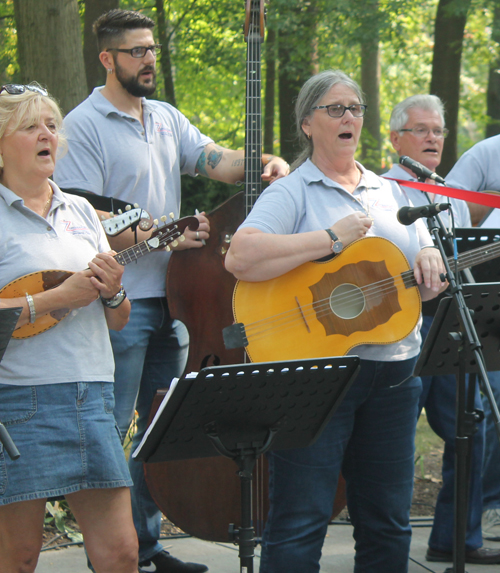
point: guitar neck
(135, 252)
(464, 261)
(253, 125)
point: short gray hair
(309, 96)
(399, 115)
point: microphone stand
(466, 416)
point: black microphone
(408, 215)
(420, 170)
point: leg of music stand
(245, 456)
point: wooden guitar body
(326, 308)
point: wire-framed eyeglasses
(422, 132)
(17, 89)
(338, 110)
(138, 51)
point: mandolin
(42, 281)
(365, 295)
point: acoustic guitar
(365, 295)
(42, 281)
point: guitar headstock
(254, 19)
(172, 233)
(121, 221)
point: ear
(395, 140)
(306, 126)
(106, 59)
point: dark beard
(132, 85)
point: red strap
(472, 196)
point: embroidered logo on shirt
(163, 130)
(74, 229)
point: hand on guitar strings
(352, 227)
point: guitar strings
(323, 308)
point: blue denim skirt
(67, 437)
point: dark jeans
(371, 437)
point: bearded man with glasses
(417, 131)
(135, 149)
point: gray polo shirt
(460, 210)
(111, 153)
(479, 170)
(307, 200)
(78, 348)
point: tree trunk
(94, 70)
(297, 58)
(50, 48)
(371, 145)
(268, 143)
(493, 94)
(448, 34)
(164, 38)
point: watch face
(337, 247)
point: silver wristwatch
(115, 301)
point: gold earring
(110, 71)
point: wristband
(31, 308)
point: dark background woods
(393, 48)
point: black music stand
(8, 321)
(446, 351)
(243, 410)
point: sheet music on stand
(246, 399)
(8, 322)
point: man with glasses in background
(125, 146)
(417, 131)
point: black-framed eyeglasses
(338, 110)
(138, 51)
(422, 132)
(17, 89)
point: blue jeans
(439, 400)
(491, 462)
(150, 351)
(371, 437)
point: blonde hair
(17, 110)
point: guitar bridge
(235, 336)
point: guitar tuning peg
(111, 214)
(128, 207)
(103, 218)
(175, 243)
(182, 238)
(155, 222)
(136, 205)
(163, 218)
(120, 212)
(168, 249)
(172, 216)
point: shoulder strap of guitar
(99, 202)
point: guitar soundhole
(347, 301)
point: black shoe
(481, 556)
(163, 562)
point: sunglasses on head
(16, 89)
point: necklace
(46, 208)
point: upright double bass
(202, 496)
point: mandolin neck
(464, 261)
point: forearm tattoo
(214, 158)
(200, 164)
